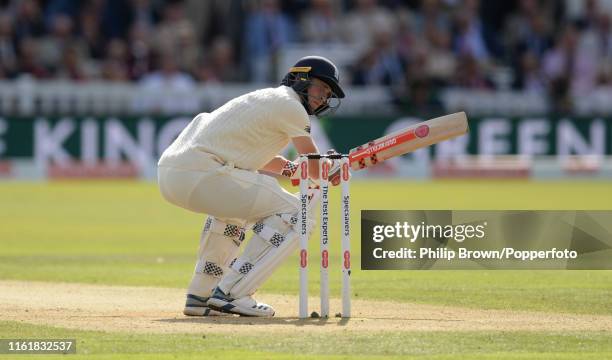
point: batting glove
(289, 169)
(335, 169)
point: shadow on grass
(247, 321)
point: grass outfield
(123, 233)
(415, 345)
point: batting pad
(219, 244)
(274, 239)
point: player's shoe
(245, 306)
(196, 306)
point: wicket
(324, 234)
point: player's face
(318, 93)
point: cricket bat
(409, 139)
(404, 141)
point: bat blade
(409, 139)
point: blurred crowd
(415, 47)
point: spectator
(115, 71)
(598, 39)
(418, 65)
(201, 14)
(440, 62)
(469, 42)
(595, 48)
(69, 8)
(94, 41)
(538, 39)
(431, 15)
(320, 25)
(589, 17)
(517, 24)
(29, 59)
(267, 31)
(60, 38)
(362, 23)
(361, 69)
(413, 47)
(8, 53)
(528, 75)
(214, 18)
(143, 13)
(115, 66)
(559, 61)
(114, 17)
(173, 29)
(528, 30)
(71, 67)
(187, 49)
(140, 49)
(470, 75)
(407, 38)
(174, 84)
(28, 20)
(604, 77)
(383, 64)
(604, 35)
(220, 66)
(566, 61)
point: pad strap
(234, 232)
(242, 266)
(288, 218)
(268, 234)
(212, 269)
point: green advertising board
(142, 139)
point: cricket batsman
(212, 168)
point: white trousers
(232, 195)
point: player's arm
(282, 166)
(305, 145)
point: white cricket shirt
(247, 131)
